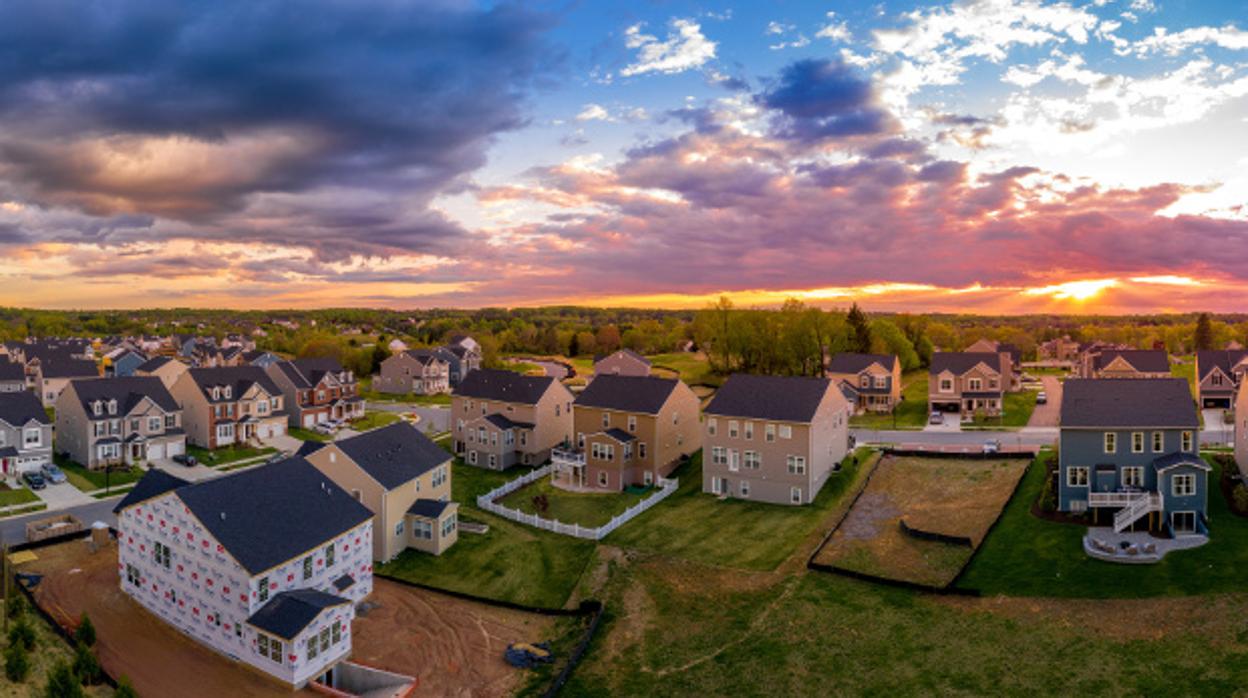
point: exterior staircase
(1141, 505)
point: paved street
(13, 529)
(433, 418)
(1025, 437)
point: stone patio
(1134, 548)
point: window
(718, 455)
(946, 385)
(1158, 442)
(769, 433)
(264, 589)
(749, 431)
(1187, 441)
(422, 530)
(160, 555)
(493, 461)
(881, 381)
(263, 644)
(974, 384)
(337, 630)
(795, 495)
(398, 528)
(602, 479)
(734, 460)
(313, 648)
(1077, 476)
(606, 420)
(734, 429)
(153, 423)
(865, 381)
(329, 555)
(324, 639)
(641, 449)
(307, 567)
(632, 423)
(134, 424)
(1111, 442)
(797, 465)
(448, 526)
(472, 457)
(439, 476)
(745, 488)
(1183, 485)
(132, 575)
(753, 460)
(711, 425)
(32, 437)
(275, 650)
(1137, 442)
(1133, 476)
(786, 431)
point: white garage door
(279, 429)
(309, 420)
(155, 451)
(322, 417)
(176, 449)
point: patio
(1135, 548)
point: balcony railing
(567, 456)
(1121, 498)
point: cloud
(593, 112)
(685, 48)
(834, 30)
(1228, 37)
(818, 99)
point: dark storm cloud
(821, 99)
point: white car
(992, 446)
(936, 418)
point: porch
(568, 470)
(1135, 548)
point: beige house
(1219, 373)
(403, 478)
(624, 362)
(500, 418)
(52, 375)
(968, 383)
(418, 371)
(774, 439)
(110, 421)
(1125, 363)
(1241, 431)
(166, 369)
(872, 380)
(230, 404)
(630, 430)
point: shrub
(62, 683)
(85, 632)
(125, 690)
(16, 663)
(86, 666)
(1239, 497)
(17, 606)
(22, 634)
(1048, 497)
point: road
(1024, 437)
(13, 529)
(433, 418)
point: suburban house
(1059, 349)
(1129, 446)
(110, 421)
(52, 373)
(166, 369)
(630, 430)
(1125, 363)
(264, 566)
(624, 362)
(464, 357)
(25, 433)
(774, 439)
(122, 361)
(874, 380)
(231, 404)
(403, 477)
(258, 357)
(1241, 431)
(502, 418)
(317, 391)
(992, 346)
(418, 371)
(968, 383)
(1219, 374)
(12, 377)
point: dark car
(185, 459)
(34, 481)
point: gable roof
(1144, 360)
(428, 356)
(855, 363)
(128, 391)
(21, 407)
(289, 612)
(268, 515)
(393, 455)
(154, 483)
(240, 378)
(504, 386)
(428, 508)
(959, 362)
(314, 369)
(59, 366)
(1128, 402)
(11, 371)
(1224, 359)
(1177, 458)
(153, 364)
(627, 352)
(627, 393)
(780, 398)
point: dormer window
(226, 391)
(112, 407)
(97, 407)
(216, 392)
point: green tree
(16, 663)
(1204, 333)
(86, 666)
(22, 634)
(61, 682)
(125, 690)
(85, 633)
(859, 330)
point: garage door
(176, 449)
(322, 417)
(279, 429)
(309, 420)
(155, 451)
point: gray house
(25, 433)
(103, 422)
(1128, 453)
(12, 376)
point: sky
(984, 157)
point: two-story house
(500, 418)
(774, 439)
(630, 430)
(624, 362)
(1219, 373)
(109, 421)
(1128, 449)
(463, 356)
(969, 383)
(25, 433)
(12, 376)
(403, 477)
(168, 370)
(230, 404)
(417, 371)
(264, 566)
(992, 346)
(874, 380)
(1125, 363)
(122, 361)
(53, 372)
(317, 390)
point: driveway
(952, 424)
(62, 496)
(1216, 431)
(1046, 415)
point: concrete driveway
(1046, 415)
(1216, 431)
(62, 496)
(952, 423)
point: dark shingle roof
(620, 435)
(239, 378)
(128, 391)
(21, 407)
(853, 363)
(1179, 458)
(344, 582)
(153, 363)
(11, 371)
(644, 394)
(394, 454)
(315, 369)
(273, 513)
(1127, 402)
(428, 508)
(63, 367)
(781, 398)
(502, 422)
(959, 362)
(1224, 359)
(1145, 360)
(288, 613)
(504, 386)
(154, 483)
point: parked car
(992, 446)
(279, 456)
(1042, 398)
(324, 428)
(185, 459)
(53, 474)
(936, 417)
(34, 480)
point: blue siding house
(1128, 453)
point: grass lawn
(370, 395)
(1028, 556)
(89, 480)
(49, 649)
(524, 367)
(373, 420)
(1187, 371)
(692, 367)
(511, 562)
(911, 413)
(733, 533)
(584, 508)
(1018, 409)
(308, 434)
(16, 495)
(227, 454)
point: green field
(692, 368)
(910, 414)
(1028, 556)
(1186, 370)
(1018, 409)
(584, 508)
(366, 391)
(693, 525)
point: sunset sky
(976, 156)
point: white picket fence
(486, 501)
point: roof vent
(223, 516)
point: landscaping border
(940, 537)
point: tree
(16, 663)
(1204, 333)
(85, 632)
(22, 634)
(608, 339)
(125, 690)
(62, 683)
(86, 666)
(859, 330)
(574, 347)
(321, 348)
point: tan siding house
(111, 421)
(624, 362)
(874, 379)
(417, 371)
(968, 383)
(501, 418)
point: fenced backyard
(488, 502)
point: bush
(86, 666)
(16, 663)
(85, 633)
(125, 690)
(1239, 497)
(17, 606)
(1048, 496)
(62, 683)
(22, 634)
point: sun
(1074, 290)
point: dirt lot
(455, 647)
(940, 495)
